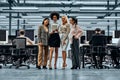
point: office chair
(1, 58)
(19, 53)
(33, 51)
(97, 51)
(115, 54)
(5, 54)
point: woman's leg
(45, 56)
(56, 57)
(50, 56)
(40, 54)
(76, 52)
(73, 55)
(64, 55)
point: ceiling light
(32, 17)
(93, 2)
(110, 17)
(118, 8)
(28, 8)
(93, 8)
(87, 17)
(44, 2)
(2, 17)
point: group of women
(50, 39)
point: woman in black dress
(54, 39)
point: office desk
(6, 49)
(84, 48)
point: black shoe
(101, 67)
(38, 67)
(96, 66)
(44, 67)
(50, 68)
(117, 67)
(55, 68)
(73, 67)
(0, 67)
(77, 67)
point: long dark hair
(75, 21)
(44, 20)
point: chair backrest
(98, 49)
(98, 40)
(20, 43)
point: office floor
(59, 74)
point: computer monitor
(109, 39)
(115, 41)
(28, 33)
(116, 33)
(82, 39)
(11, 38)
(3, 36)
(89, 34)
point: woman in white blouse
(76, 33)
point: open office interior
(29, 15)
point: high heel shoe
(55, 66)
(50, 68)
(44, 67)
(39, 67)
(64, 65)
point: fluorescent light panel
(44, 2)
(2, 17)
(114, 17)
(69, 2)
(87, 17)
(94, 2)
(34, 22)
(118, 8)
(32, 17)
(21, 8)
(93, 8)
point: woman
(64, 30)
(43, 34)
(54, 40)
(76, 33)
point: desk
(84, 47)
(6, 49)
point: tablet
(54, 27)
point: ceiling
(90, 13)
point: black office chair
(19, 53)
(115, 52)
(1, 58)
(98, 51)
(32, 50)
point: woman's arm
(29, 41)
(79, 32)
(39, 34)
(67, 32)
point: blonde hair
(66, 18)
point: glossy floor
(59, 74)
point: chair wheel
(28, 67)
(89, 67)
(17, 67)
(10, 67)
(0, 67)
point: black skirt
(54, 40)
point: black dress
(54, 40)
